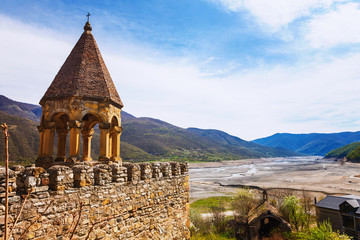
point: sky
(251, 68)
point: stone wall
(115, 201)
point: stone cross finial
(88, 16)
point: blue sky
(249, 67)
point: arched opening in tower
(90, 140)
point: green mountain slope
(343, 151)
(143, 139)
(311, 144)
(354, 155)
(23, 140)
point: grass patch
(211, 236)
(204, 205)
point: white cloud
(231, 5)
(278, 13)
(339, 26)
(275, 14)
(30, 58)
(310, 97)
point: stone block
(165, 169)
(60, 177)
(83, 175)
(156, 170)
(175, 168)
(133, 171)
(184, 169)
(30, 181)
(102, 174)
(146, 171)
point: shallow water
(229, 173)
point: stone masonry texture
(111, 201)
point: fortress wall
(115, 201)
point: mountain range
(142, 139)
(318, 144)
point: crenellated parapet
(153, 194)
(61, 177)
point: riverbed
(310, 173)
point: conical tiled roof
(84, 74)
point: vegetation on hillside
(354, 155)
(298, 211)
(143, 139)
(23, 141)
(343, 151)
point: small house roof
(334, 202)
(263, 209)
(84, 74)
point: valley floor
(313, 174)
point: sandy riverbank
(320, 177)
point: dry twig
(77, 222)
(4, 128)
(96, 223)
(19, 214)
(40, 215)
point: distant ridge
(153, 139)
(19, 109)
(312, 144)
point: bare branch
(19, 214)
(98, 222)
(77, 223)
(40, 215)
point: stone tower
(81, 95)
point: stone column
(48, 142)
(104, 141)
(41, 142)
(61, 144)
(115, 136)
(87, 135)
(46, 147)
(75, 130)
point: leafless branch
(4, 127)
(77, 223)
(19, 214)
(40, 215)
(96, 223)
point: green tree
(322, 232)
(243, 203)
(294, 213)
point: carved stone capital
(74, 124)
(104, 125)
(87, 133)
(48, 125)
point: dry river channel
(311, 173)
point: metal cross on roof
(88, 16)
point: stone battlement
(61, 177)
(153, 194)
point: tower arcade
(81, 95)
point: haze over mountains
(142, 138)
